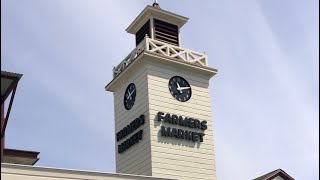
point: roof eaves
(275, 173)
(11, 75)
(150, 10)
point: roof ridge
(273, 173)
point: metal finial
(156, 4)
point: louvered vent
(145, 29)
(166, 32)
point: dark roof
(16, 156)
(11, 74)
(8, 81)
(273, 174)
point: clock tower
(162, 107)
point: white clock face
(180, 89)
(129, 96)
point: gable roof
(275, 173)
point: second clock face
(129, 96)
(179, 88)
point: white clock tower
(162, 107)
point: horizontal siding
(165, 72)
(167, 173)
(130, 153)
(201, 99)
(163, 156)
(136, 163)
(180, 157)
(184, 144)
(138, 156)
(135, 78)
(186, 156)
(156, 132)
(162, 87)
(206, 144)
(154, 109)
(133, 159)
(162, 162)
(139, 83)
(145, 172)
(164, 81)
(156, 124)
(125, 119)
(199, 102)
(143, 166)
(159, 175)
(173, 157)
(155, 145)
(202, 169)
(157, 101)
(140, 87)
(141, 98)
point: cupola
(158, 24)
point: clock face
(179, 88)
(129, 96)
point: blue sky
(264, 98)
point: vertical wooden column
(152, 28)
(2, 126)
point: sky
(265, 97)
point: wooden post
(2, 126)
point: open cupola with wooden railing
(157, 32)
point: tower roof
(156, 12)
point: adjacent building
(9, 84)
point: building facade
(163, 118)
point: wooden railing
(163, 49)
